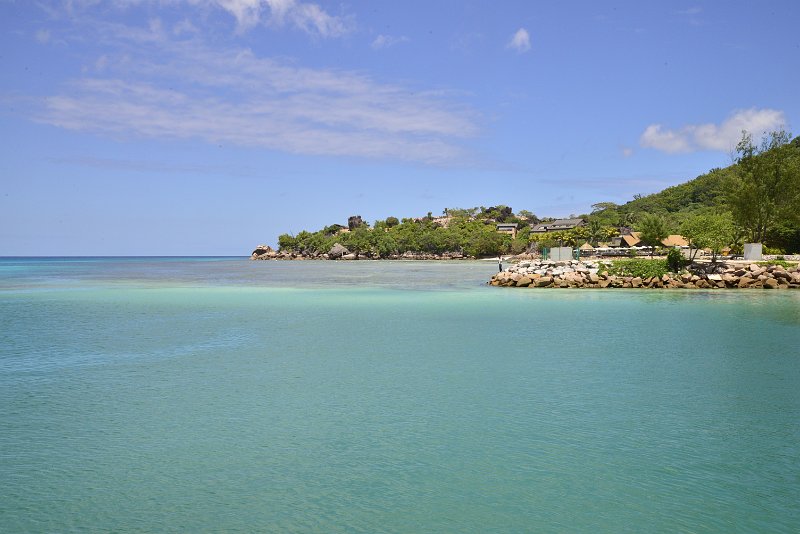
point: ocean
(226, 395)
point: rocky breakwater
(589, 274)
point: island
(692, 235)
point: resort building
(557, 225)
(634, 240)
(507, 228)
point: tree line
(757, 199)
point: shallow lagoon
(222, 394)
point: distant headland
(754, 200)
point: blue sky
(138, 127)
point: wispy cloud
(306, 16)
(154, 85)
(43, 36)
(721, 137)
(520, 41)
(385, 41)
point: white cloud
(306, 16)
(626, 151)
(157, 87)
(309, 17)
(721, 137)
(385, 41)
(520, 41)
(666, 141)
(246, 12)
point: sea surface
(226, 395)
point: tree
(711, 230)
(765, 189)
(286, 242)
(653, 230)
(595, 231)
(391, 222)
(359, 239)
(630, 218)
(602, 206)
(528, 216)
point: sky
(207, 127)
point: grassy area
(641, 267)
(783, 263)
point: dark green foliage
(287, 242)
(764, 193)
(762, 190)
(640, 267)
(470, 237)
(765, 181)
(675, 260)
(653, 230)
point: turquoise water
(220, 394)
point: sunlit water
(222, 394)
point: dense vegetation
(757, 199)
(464, 234)
(642, 268)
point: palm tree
(595, 231)
(653, 230)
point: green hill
(762, 187)
(755, 199)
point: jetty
(597, 274)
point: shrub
(675, 260)
(783, 263)
(643, 268)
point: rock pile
(588, 274)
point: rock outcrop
(263, 252)
(579, 274)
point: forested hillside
(759, 192)
(756, 199)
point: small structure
(557, 225)
(675, 240)
(625, 240)
(337, 251)
(753, 251)
(507, 228)
(560, 254)
(634, 239)
(586, 249)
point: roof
(558, 224)
(675, 241)
(631, 239)
(587, 246)
(507, 225)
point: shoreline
(595, 274)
